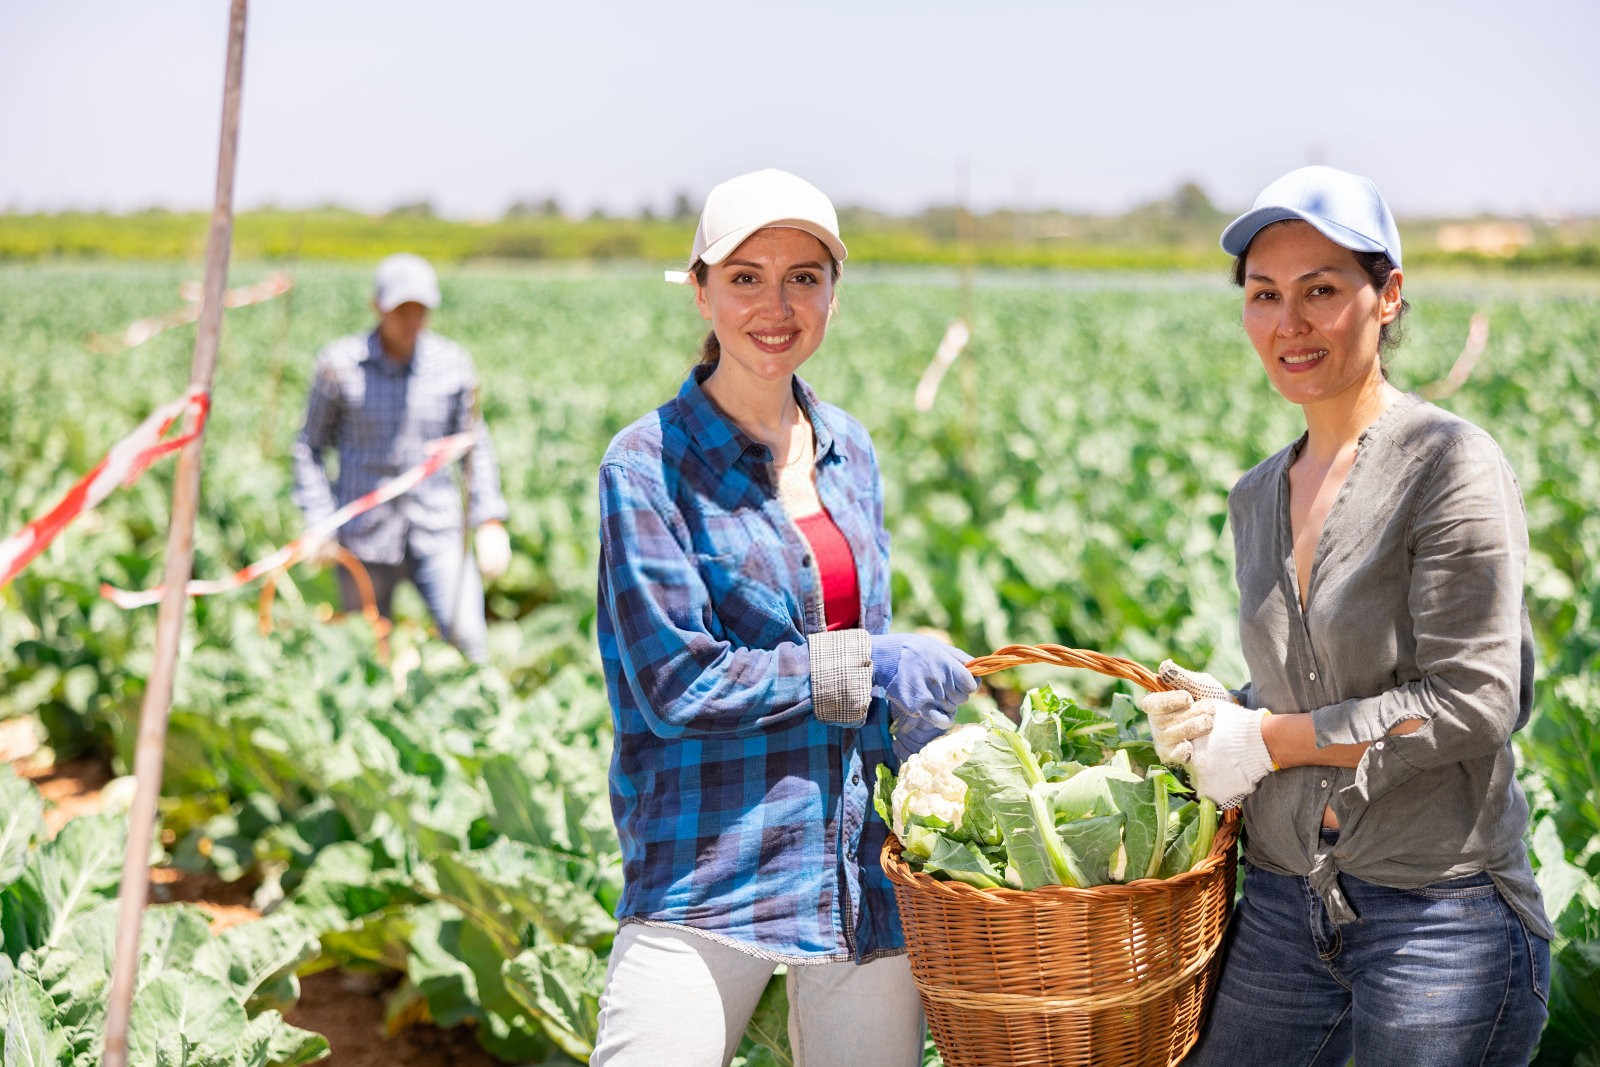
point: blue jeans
(435, 575)
(1441, 976)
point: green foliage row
(347, 236)
(410, 824)
(202, 1000)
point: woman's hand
(492, 547)
(1232, 758)
(919, 672)
(1198, 723)
(1197, 684)
(924, 680)
(1176, 721)
(1176, 717)
(1219, 740)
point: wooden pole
(969, 373)
(474, 413)
(179, 563)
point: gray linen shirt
(1414, 611)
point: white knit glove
(1176, 719)
(492, 545)
(1198, 684)
(1230, 759)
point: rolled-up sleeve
(1468, 541)
(841, 676)
(687, 681)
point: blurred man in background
(377, 399)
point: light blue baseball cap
(1345, 208)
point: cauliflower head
(928, 785)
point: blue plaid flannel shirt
(378, 414)
(747, 736)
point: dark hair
(1378, 266)
(711, 348)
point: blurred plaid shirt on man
(378, 413)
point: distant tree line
(1175, 231)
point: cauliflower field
(451, 825)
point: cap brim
(724, 246)
(1242, 230)
(428, 298)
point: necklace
(807, 443)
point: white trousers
(676, 999)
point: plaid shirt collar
(393, 367)
(719, 438)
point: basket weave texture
(1115, 974)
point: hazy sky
(1451, 107)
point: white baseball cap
(740, 206)
(402, 278)
(1345, 208)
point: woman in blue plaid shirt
(743, 626)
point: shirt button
(1324, 783)
(1312, 676)
(805, 561)
(855, 778)
(1377, 744)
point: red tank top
(841, 596)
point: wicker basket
(1116, 974)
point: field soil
(344, 1007)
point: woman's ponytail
(710, 350)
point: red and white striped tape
(439, 454)
(122, 465)
(138, 332)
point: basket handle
(369, 600)
(1061, 656)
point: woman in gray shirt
(1389, 908)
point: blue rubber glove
(925, 680)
